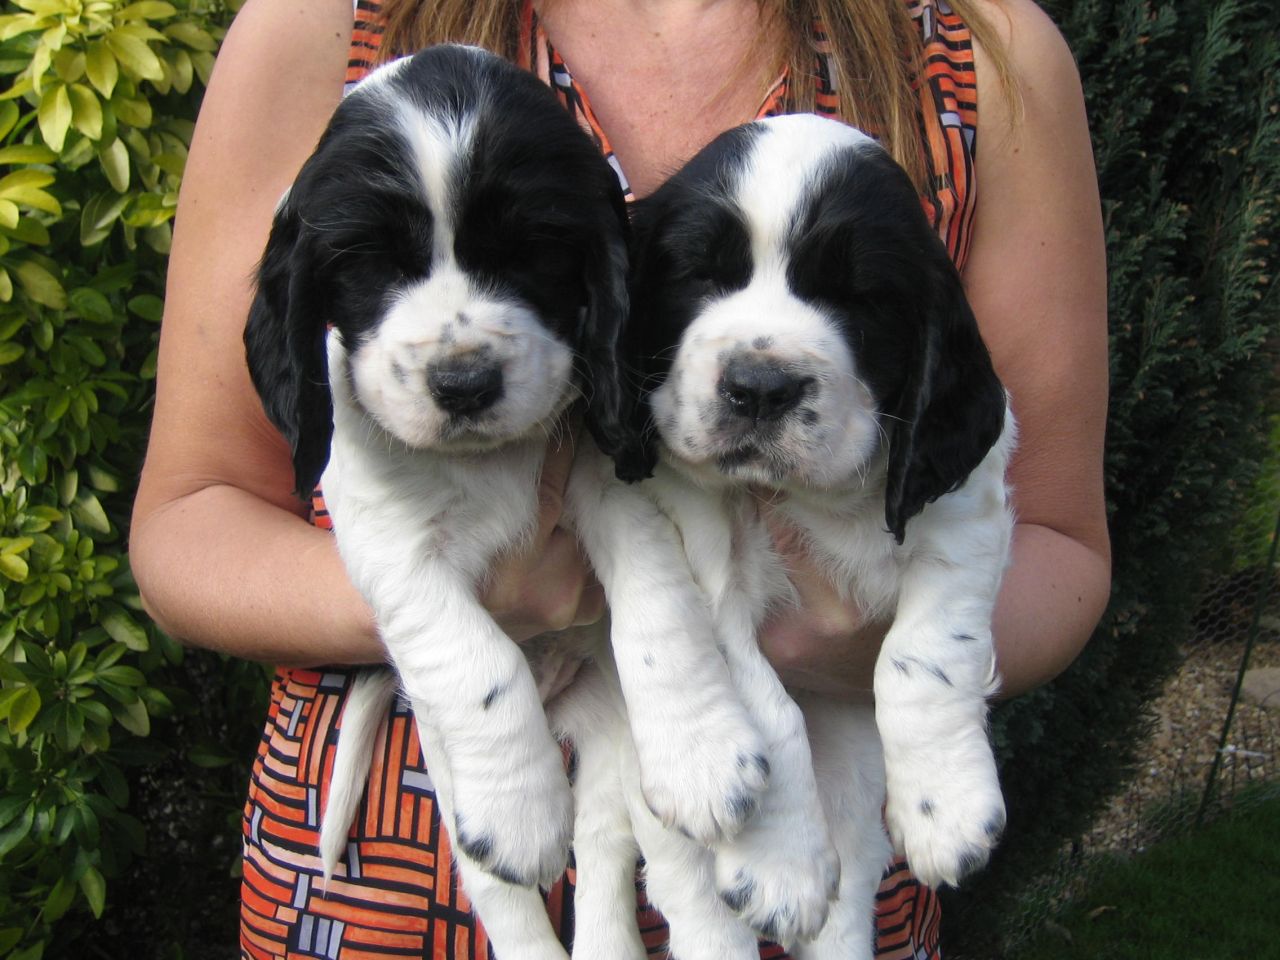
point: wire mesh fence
(1210, 750)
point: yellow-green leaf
(134, 718)
(41, 60)
(41, 286)
(9, 114)
(44, 8)
(100, 64)
(140, 31)
(134, 55)
(203, 62)
(54, 116)
(86, 111)
(103, 480)
(27, 152)
(21, 87)
(10, 351)
(18, 24)
(13, 566)
(33, 197)
(134, 111)
(68, 63)
(23, 708)
(99, 216)
(94, 889)
(170, 163)
(159, 238)
(6, 286)
(182, 70)
(16, 544)
(88, 511)
(24, 179)
(192, 36)
(30, 231)
(8, 214)
(115, 164)
(122, 629)
(146, 10)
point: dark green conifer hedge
(1183, 101)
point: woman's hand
(549, 584)
(822, 642)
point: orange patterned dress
(399, 896)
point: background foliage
(94, 126)
(121, 760)
(1185, 116)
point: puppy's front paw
(943, 808)
(517, 828)
(780, 875)
(703, 776)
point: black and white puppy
(807, 333)
(445, 279)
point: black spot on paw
(494, 693)
(739, 895)
(757, 760)
(743, 806)
(926, 808)
(901, 667)
(938, 672)
(777, 922)
(965, 637)
(479, 849)
(762, 343)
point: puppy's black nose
(465, 386)
(760, 391)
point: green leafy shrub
(94, 128)
(1183, 104)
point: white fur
(421, 509)
(925, 740)
(690, 574)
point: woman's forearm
(223, 569)
(1053, 595)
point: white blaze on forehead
(783, 162)
(438, 146)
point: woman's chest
(661, 86)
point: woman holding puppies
(223, 551)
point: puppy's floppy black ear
(615, 406)
(951, 409)
(284, 346)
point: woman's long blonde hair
(875, 44)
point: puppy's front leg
(702, 762)
(781, 870)
(590, 714)
(514, 917)
(512, 806)
(849, 766)
(932, 680)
